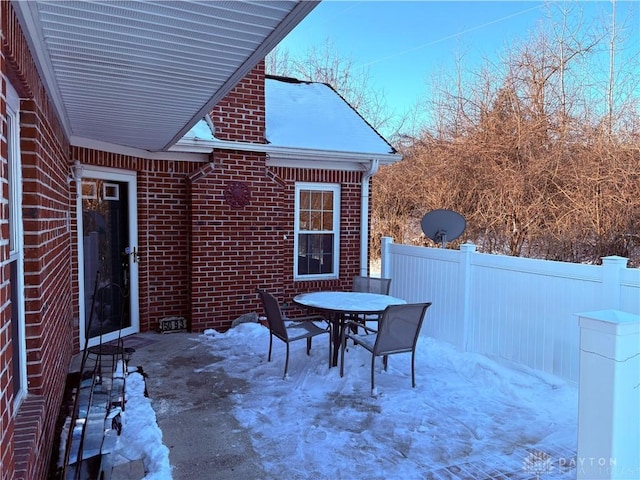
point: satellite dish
(443, 225)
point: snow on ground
(468, 414)
(466, 409)
(141, 438)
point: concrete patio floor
(193, 410)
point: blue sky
(403, 43)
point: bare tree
(279, 62)
(327, 65)
(518, 147)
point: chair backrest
(399, 327)
(371, 285)
(273, 314)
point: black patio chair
(397, 332)
(300, 328)
(371, 284)
(368, 285)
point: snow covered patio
(225, 412)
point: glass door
(108, 231)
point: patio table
(338, 305)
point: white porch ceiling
(141, 73)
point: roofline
(295, 80)
(293, 18)
(284, 78)
(186, 156)
(201, 150)
(292, 157)
(27, 14)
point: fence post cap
(615, 260)
(610, 321)
(467, 247)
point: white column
(466, 250)
(609, 396)
(611, 269)
(385, 257)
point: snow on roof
(200, 131)
(309, 115)
(313, 115)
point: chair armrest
(309, 318)
(359, 325)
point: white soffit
(140, 74)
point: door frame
(130, 178)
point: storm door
(108, 246)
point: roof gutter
(364, 216)
(288, 156)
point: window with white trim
(16, 250)
(317, 231)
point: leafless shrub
(540, 156)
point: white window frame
(335, 189)
(16, 232)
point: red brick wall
(202, 258)
(235, 250)
(240, 116)
(163, 231)
(46, 202)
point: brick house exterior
(200, 258)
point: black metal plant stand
(100, 396)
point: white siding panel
(434, 278)
(630, 290)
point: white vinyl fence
(519, 309)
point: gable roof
(313, 115)
(304, 121)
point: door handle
(133, 252)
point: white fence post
(611, 268)
(385, 257)
(466, 250)
(609, 396)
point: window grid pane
(305, 200)
(316, 200)
(315, 253)
(327, 222)
(305, 219)
(316, 210)
(328, 201)
(316, 221)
